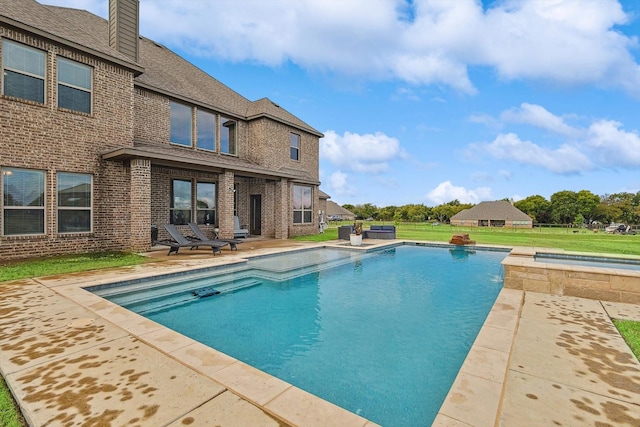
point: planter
(356, 239)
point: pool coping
(474, 399)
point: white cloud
(368, 153)
(540, 117)
(338, 183)
(564, 41)
(613, 147)
(446, 192)
(565, 159)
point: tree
(587, 203)
(537, 207)
(564, 207)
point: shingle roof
(164, 70)
(499, 210)
(335, 209)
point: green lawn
(630, 331)
(10, 416)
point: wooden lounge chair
(199, 235)
(237, 231)
(180, 241)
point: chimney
(124, 27)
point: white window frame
(8, 171)
(304, 211)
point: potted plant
(356, 237)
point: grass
(67, 264)
(10, 416)
(560, 238)
(630, 331)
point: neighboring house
(334, 209)
(492, 214)
(106, 133)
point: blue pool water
(381, 334)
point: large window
(294, 146)
(206, 130)
(74, 86)
(206, 203)
(74, 202)
(23, 71)
(180, 124)
(180, 202)
(227, 135)
(302, 209)
(22, 201)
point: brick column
(282, 210)
(225, 204)
(140, 200)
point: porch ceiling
(178, 160)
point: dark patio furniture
(199, 235)
(380, 232)
(344, 231)
(180, 241)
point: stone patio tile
(119, 382)
(251, 383)
(445, 421)
(227, 410)
(128, 320)
(496, 338)
(486, 363)
(79, 334)
(203, 358)
(618, 310)
(25, 298)
(562, 310)
(532, 401)
(166, 340)
(301, 408)
(506, 310)
(578, 355)
(472, 400)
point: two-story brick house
(105, 133)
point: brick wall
(46, 138)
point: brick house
(105, 133)
(492, 214)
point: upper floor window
(74, 202)
(22, 201)
(302, 209)
(294, 146)
(180, 210)
(227, 135)
(74, 85)
(23, 71)
(180, 124)
(206, 203)
(206, 130)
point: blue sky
(428, 101)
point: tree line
(563, 207)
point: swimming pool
(381, 334)
(589, 261)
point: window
(22, 201)
(294, 146)
(206, 203)
(74, 86)
(23, 71)
(302, 213)
(180, 124)
(74, 202)
(227, 136)
(180, 202)
(206, 130)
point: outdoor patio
(72, 358)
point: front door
(255, 226)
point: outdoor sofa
(380, 232)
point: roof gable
(498, 210)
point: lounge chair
(199, 235)
(237, 231)
(179, 241)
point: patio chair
(237, 231)
(199, 235)
(180, 241)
